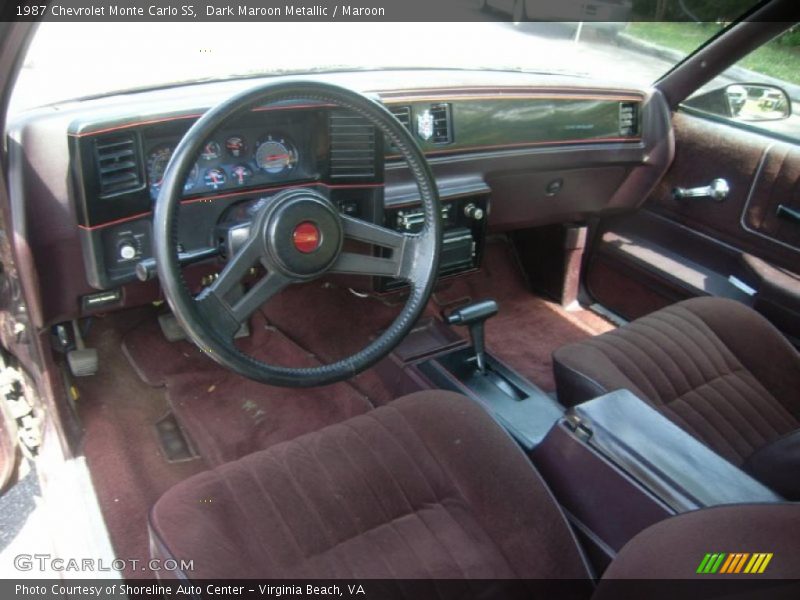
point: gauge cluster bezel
(218, 164)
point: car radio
(464, 230)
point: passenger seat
(716, 368)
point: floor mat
(227, 416)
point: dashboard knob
(127, 251)
(473, 211)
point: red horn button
(306, 237)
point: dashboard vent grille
(403, 114)
(119, 164)
(628, 118)
(442, 124)
(352, 146)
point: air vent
(442, 124)
(628, 118)
(119, 164)
(352, 146)
(403, 114)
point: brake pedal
(82, 361)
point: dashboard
(511, 153)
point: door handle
(718, 190)
(788, 213)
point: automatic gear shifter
(474, 316)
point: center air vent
(119, 164)
(442, 124)
(352, 146)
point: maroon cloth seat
(715, 367)
(428, 487)
(425, 487)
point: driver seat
(427, 487)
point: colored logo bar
(734, 563)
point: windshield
(72, 60)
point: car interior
(414, 324)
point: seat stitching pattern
(717, 408)
(254, 475)
(332, 487)
(310, 508)
(707, 360)
(439, 501)
(783, 415)
(498, 548)
(758, 425)
(642, 347)
(412, 509)
(619, 356)
(678, 417)
(709, 345)
(695, 323)
(708, 427)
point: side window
(762, 91)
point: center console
(617, 466)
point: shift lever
(474, 316)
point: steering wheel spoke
(223, 301)
(398, 264)
(238, 267)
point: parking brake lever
(474, 316)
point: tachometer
(275, 155)
(157, 162)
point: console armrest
(672, 464)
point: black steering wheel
(297, 235)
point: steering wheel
(297, 235)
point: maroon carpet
(119, 412)
(528, 328)
(227, 416)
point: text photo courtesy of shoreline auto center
(383, 299)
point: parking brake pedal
(82, 361)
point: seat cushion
(426, 487)
(762, 535)
(714, 366)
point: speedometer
(275, 155)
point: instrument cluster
(232, 161)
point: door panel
(745, 247)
